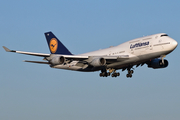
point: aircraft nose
(174, 43)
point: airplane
(149, 50)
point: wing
(90, 58)
(27, 53)
(74, 57)
(109, 59)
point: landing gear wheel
(100, 75)
(129, 75)
(103, 74)
(118, 74)
(115, 74)
(108, 74)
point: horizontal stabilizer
(40, 62)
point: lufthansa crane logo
(53, 45)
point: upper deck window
(164, 35)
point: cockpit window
(164, 35)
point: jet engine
(97, 62)
(58, 60)
(158, 63)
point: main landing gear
(130, 72)
(104, 73)
(113, 73)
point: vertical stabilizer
(55, 46)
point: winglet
(6, 49)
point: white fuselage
(139, 50)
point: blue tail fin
(55, 46)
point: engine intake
(157, 63)
(97, 62)
(58, 60)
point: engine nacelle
(97, 62)
(157, 63)
(58, 60)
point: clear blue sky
(38, 92)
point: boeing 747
(149, 50)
